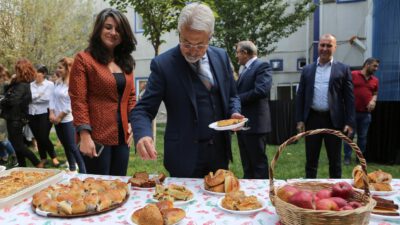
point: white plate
(262, 201)
(130, 222)
(379, 193)
(230, 127)
(381, 217)
(2, 168)
(211, 192)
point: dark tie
(204, 75)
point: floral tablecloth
(202, 211)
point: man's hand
(371, 105)
(348, 130)
(300, 127)
(237, 116)
(146, 149)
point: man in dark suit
(325, 99)
(195, 82)
(254, 85)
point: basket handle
(313, 132)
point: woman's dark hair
(40, 68)
(122, 52)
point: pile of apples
(336, 199)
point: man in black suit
(195, 82)
(254, 85)
(325, 99)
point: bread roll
(231, 184)
(78, 206)
(215, 179)
(219, 188)
(173, 215)
(164, 205)
(135, 216)
(357, 176)
(380, 177)
(150, 215)
(380, 187)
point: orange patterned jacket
(94, 99)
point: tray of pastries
(20, 183)
(220, 182)
(143, 180)
(379, 182)
(80, 198)
(160, 213)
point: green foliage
(43, 31)
(263, 22)
(158, 17)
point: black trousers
(16, 137)
(211, 156)
(41, 126)
(252, 153)
(333, 146)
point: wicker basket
(293, 215)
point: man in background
(254, 86)
(365, 93)
(325, 99)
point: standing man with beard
(365, 93)
(325, 99)
(195, 82)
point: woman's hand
(87, 146)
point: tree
(43, 31)
(158, 17)
(261, 21)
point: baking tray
(29, 191)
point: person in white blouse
(61, 116)
(41, 90)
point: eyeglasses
(190, 46)
(325, 45)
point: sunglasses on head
(325, 45)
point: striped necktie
(204, 74)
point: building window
(138, 23)
(301, 62)
(277, 64)
(286, 92)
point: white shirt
(61, 102)
(40, 97)
(247, 65)
(321, 86)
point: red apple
(322, 194)
(286, 192)
(346, 207)
(355, 205)
(302, 199)
(339, 201)
(342, 189)
(326, 204)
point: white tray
(29, 191)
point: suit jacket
(254, 87)
(170, 81)
(340, 95)
(94, 99)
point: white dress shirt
(40, 97)
(321, 86)
(61, 102)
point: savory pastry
(228, 122)
(150, 215)
(142, 179)
(169, 214)
(377, 180)
(237, 200)
(223, 181)
(172, 193)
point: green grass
(290, 164)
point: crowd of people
(92, 103)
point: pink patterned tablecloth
(202, 211)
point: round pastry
(214, 179)
(150, 215)
(380, 177)
(172, 215)
(219, 188)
